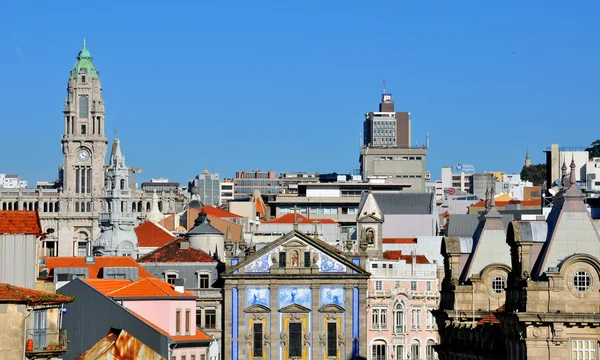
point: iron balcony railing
(46, 340)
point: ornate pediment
(294, 243)
(331, 308)
(294, 308)
(254, 309)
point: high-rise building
(227, 190)
(266, 182)
(209, 189)
(386, 154)
(387, 127)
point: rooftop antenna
(384, 87)
(427, 141)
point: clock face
(83, 154)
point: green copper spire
(84, 61)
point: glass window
(210, 318)
(582, 280)
(282, 259)
(583, 349)
(178, 321)
(295, 336)
(203, 281)
(170, 278)
(429, 351)
(498, 284)
(400, 352)
(413, 285)
(307, 259)
(257, 345)
(378, 285)
(415, 349)
(429, 286)
(416, 319)
(399, 319)
(331, 339)
(379, 318)
(83, 107)
(379, 351)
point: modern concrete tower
(117, 237)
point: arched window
(83, 107)
(415, 349)
(582, 281)
(399, 352)
(379, 350)
(57, 206)
(122, 184)
(498, 284)
(148, 206)
(45, 207)
(429, 351)
(399, 319)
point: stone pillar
(242, 344)
(362, 290)
(227, 324)
(274, 323)
(348, 317)
(316, 330)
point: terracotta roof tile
(144, 287)
(399, 240)
(535, 202)
(20, 222)
(211, 210)
(150, 234)
(94, 270)
(172, 252)
(397, 255)
(289, 219)
(10, 293)
(491, 318)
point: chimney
(179, 286)
(184, 245)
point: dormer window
(498, 284)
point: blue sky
(284, 85)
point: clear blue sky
(284, 85)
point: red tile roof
(20, 222)
(94, 270)
(491, 318)
(172, 253)
(211, 210)
(289, 219)
(399, 240)
(144, 287)
(150, 234)
(397, 255)
(261, 208)
(16, 294)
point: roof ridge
(151, 281)
(160, 247)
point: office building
(246, 182)
(209, 188)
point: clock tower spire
(83, 142)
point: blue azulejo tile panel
(262, 264)
(257, 296)
(288, 295)
(335, 295)
(328, 265)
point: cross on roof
(295, 210)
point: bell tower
(83, 143)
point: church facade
(71, 210)
(296, 298)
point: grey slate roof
(464, 225)
(402, 203)
(204, 229)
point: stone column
(316, 330)
(362, 307)
(274, 322)
(242, 344)
(348, 317)
(227, 328)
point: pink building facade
(403, 292)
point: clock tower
(83, 143)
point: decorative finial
(492, 198)
(573, 177)
(487, 198)
(201, 218)
(84, 42)
(316, 232)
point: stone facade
(296, 298)
(549, 302)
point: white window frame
(171, 272)
(200, 273)
(379, 318)
(378, 285)
(583, 349)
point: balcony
(45, 343)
